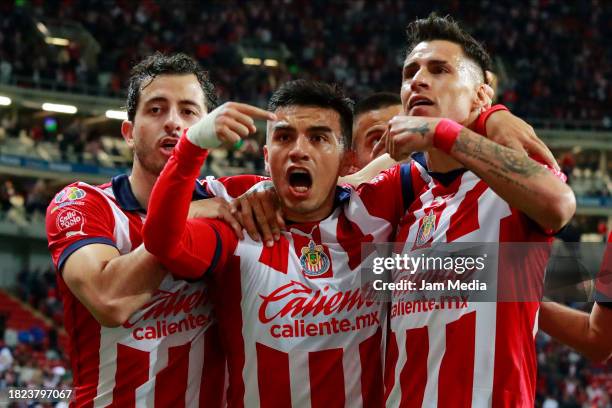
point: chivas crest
(426, 229)
(314, 260)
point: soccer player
(138, 335)
(588, 333)
(296, 328)
(465, 188)
(372, 116)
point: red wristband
(480, 125)
(445, 135)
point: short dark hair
(162, 64)
(376, 100)
(303, 92)
(446, 28)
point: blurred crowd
(32, 344)
(356, 43)
(568, 380)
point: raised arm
(190, 248)
(186, 247)
(519, 180)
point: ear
(127, 129)
(267, 165)
(347, 163)
(483, 97)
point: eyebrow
(282, 126)
(181, 102)
(430, 62)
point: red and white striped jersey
(296, 326)
(464, 354)
(165, 354)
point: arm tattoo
(422, 129)
(508, 161)
(516, 162)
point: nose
(300, 149)
(173, 124)
(420, 80)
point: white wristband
(203, 134)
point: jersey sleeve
(78, 215)
(230, 187)
(188, 248)
(389, 194)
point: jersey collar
(122, 189)
(444, 178)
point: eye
(409, 73)
(318, 138)
(155, 109)
(189, 112)
(438, 69)
(281, 137)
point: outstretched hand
(227, 124)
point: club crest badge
(426, 229)
(314, 260)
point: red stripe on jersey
(464, 221)
(213, 373)
(135, 228)
(230, 325)
(390, 363)
(371, 371)
(413, 377)
(515, 372)
(273, 377)
(456, 376)
(132, 372)
(347, 233)
(174, 377)
(326, 378)
(514, 377)
(276, 257)
(84, 348)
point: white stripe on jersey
(437, 341)
(217, 188)
(122, 224)
(194, 376)
(299, 376)
(484, 352)
(108, 354)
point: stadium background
(551, 59)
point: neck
(311, 216)
(142, 183)
(440, 162)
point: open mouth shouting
(167, 145)
(417, 103)
(300, 181)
